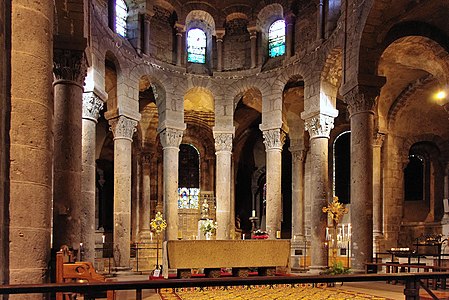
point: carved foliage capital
(123, 127)
(171, 138)
(319, 126)
(378, 139)
(69, 65)
(223, 142)
(92, 105)
(273, 139)
(361, 99)
(298, 155)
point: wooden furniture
(68, 270)
(212, 255)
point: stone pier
(274, 140)
(223, 148)
(123, 129)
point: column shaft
(68, 94)
(171, 139)
(91, 107)
(273, 140)
(319, 193)
(123, 129)
(219, 55)
(146, 37)
(253, 39)
(377, 192)
(145, 204)
(30, 145)
(362, 188)
(319, 127)
(223, 146)
(361, 102)
(179, 30)
(298, 205)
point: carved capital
(69, 65)
(378, 139)
(319, 126)
(123, 127)
(361, 98)
(223, 142)
(92, 105)
(171, 138)
(273, 139)
(298, 155)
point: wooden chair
(67, 270)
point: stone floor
(377, 290)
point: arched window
(121, 14)
(188, 177)
(196, 46)
(276, 39)
(414, 175)
(342, 167)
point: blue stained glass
(196, 46)
(188, 198)
(276, 39)
(121, 13)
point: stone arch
(437, 140)
(240, 87)
(203, 17)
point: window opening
(276, 39)
(414, 178)
(342, 167)
(121, 14)
(189, 177)
(196, 46)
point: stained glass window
(188, 197)
(121, 13)
(276, 39)
(196, 46)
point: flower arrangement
(208, 226)
(260, 234)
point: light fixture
(440, 95)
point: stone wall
(162, 36)
(4, 87)
(236, 46)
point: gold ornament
(158, 224)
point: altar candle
(343, 227)
(243, 236)
(253, 213)
(327, 234)
(151, 236)
(278, 234)
(103, 238)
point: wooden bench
(69, 270)
(213, 255)
(396, 267)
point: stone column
(30, 144)
(253, 38)
(123, 129)
(220, 34)
(274, 140)
(223, 151)
(171, 139)
(146, 31)
(298, 205)
(92, 105)
(361, 102)
(320, 20)
(377, 191)
(69, 71)
(145, 203)
(179, 51)
(290, 24)
(319, 127)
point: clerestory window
(196, 46)
(276, 38)
(121, 14)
